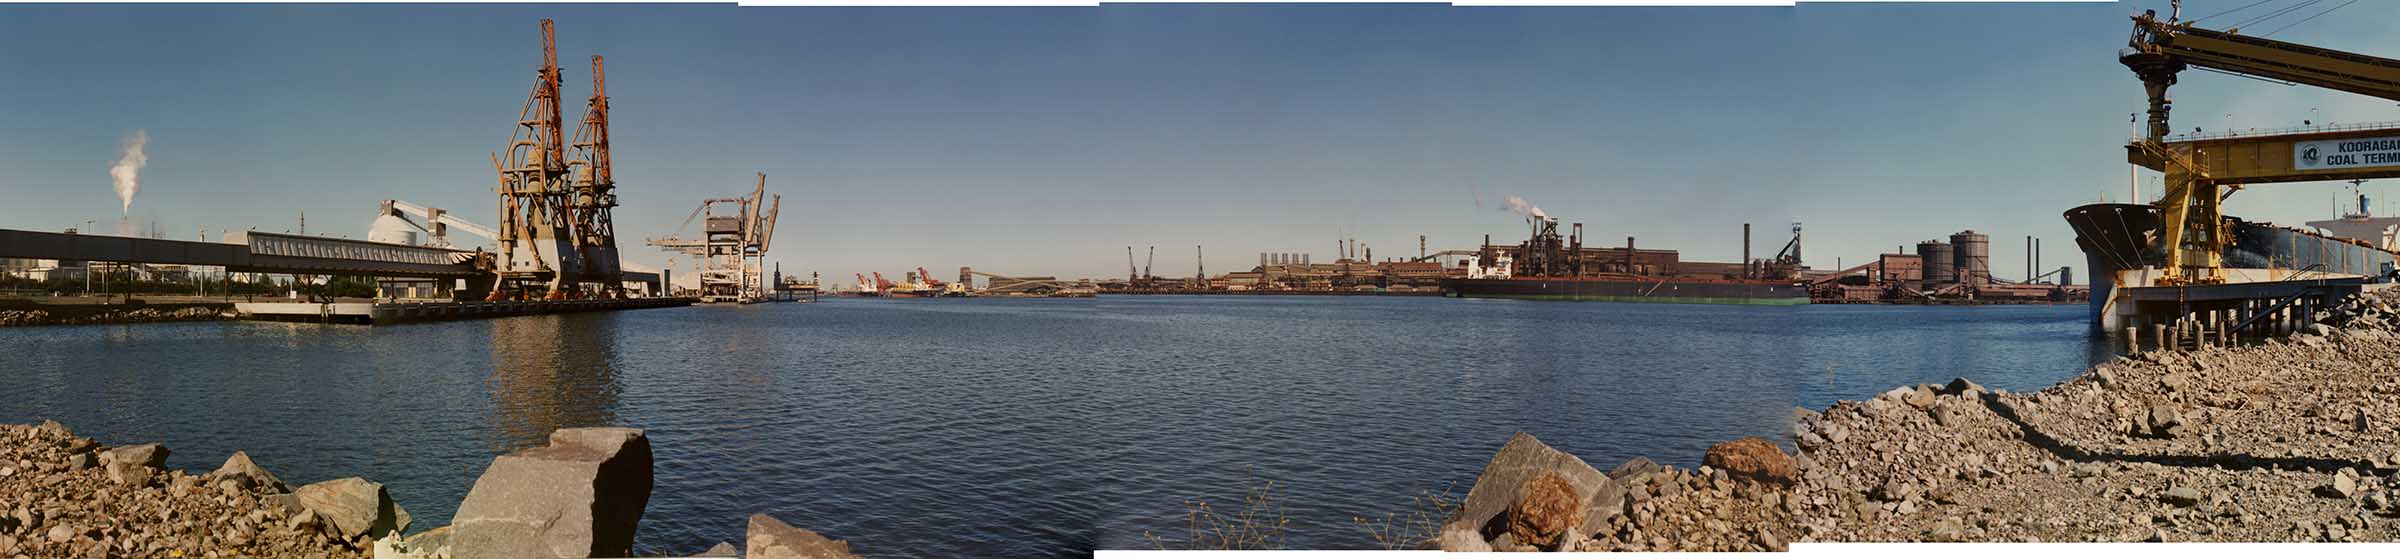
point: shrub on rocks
(580, 496)
(770, 538)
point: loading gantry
(2201, 170)
(555, 227)
(732, 247)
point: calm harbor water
(1011, 427)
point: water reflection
(550, 372)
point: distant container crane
(732, 247)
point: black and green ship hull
(1630, 290)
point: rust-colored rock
(1550, 506)
(1753, 459)
(1503, 482)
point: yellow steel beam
(2320, 67)
(2307, 156)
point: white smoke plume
(127, 172)
(1518, 206)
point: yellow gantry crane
(2201, 170)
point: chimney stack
(1746, 251)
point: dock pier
(393, 313)
(2194, 316)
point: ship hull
(1629, 290)
(2116, 238)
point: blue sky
(1045, 140)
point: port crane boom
(2201, 170)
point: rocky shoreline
(62, 495)
(1535, 498)
(61, 316)
(2293, 440)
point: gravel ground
(2294, 440)
(57, 499)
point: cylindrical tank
(392, 229)
(1974, 253)
(1938, 263)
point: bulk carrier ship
(1548, 266)
(2117, 238)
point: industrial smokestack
(1745, 250)
(127, 172)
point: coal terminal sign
(2346, 154)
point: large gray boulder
(146, 455)
(1504, 478)
(134, 464)
(352, 507)
(578, 497)
(1639, 465)
(772, 539)
(239, 469)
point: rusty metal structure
(732, 246)
(593, 199)
(555, 228)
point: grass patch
(1420, 527)
(1260, 523)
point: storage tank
(391, 229)
(1974, 253)
(1935, 257)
